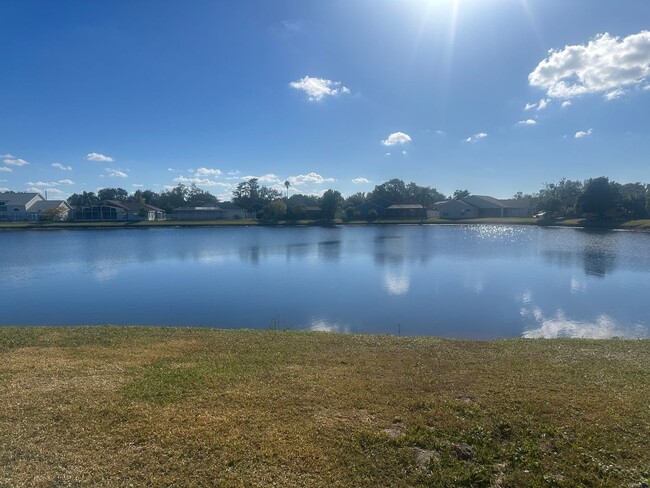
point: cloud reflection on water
(560, 326)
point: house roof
(18, 198)
(43, 205)
(197, 209)
(416, 206)
(483, 201)
(130, 206)
(517, 203)
(451, 203)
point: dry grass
(112, 406)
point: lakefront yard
(118, 406)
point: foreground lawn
(114, 406)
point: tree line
(564, 199)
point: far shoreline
(628, 225)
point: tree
(331, 202)
(86, 199)
(54, 214)
(372, 215)
(599, 196)
(559, 198)
(246, 193)
(174, 197)
(119, 194)
(356, 199)
(267, 195)
(460, 194)
(196, 196)
(397, 191)
(277, 209)
(633, 199)
(287, 184)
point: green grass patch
(141, 406)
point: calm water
(454, 281)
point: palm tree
(287, 185)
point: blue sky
(333, 93)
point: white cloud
(314, 178)
(267, 178)
(4, 169)
(14, 161)
(527, 122)
(476, 137)
(93, 156)
(51, 191)
(201, 182)
(606, 65)
(4, 189)
(396, 138)
(441, 132)
(541, 105)
(566, 104)
(207, 172)
(137, 185)
(62, 167)
(404, 153)
(388, 155)
(580, 134)
(50, 183)
(319, 88)
(113, 173)
(359, 181)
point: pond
(480, 282)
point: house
(51, 210)
(22, 206)
(218, 211)
(120, 211)
(406, 211)
(364, 210)
(490, 207)
(452, 209)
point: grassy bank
(117, 406)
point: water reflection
(482, 281)
(559, 325)
(323, 325)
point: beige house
(21, 206)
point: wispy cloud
(207, 172)
(4, 169)
(581, 133)
(50, 183)
(202, 182)
(607, 64)
(476, 137)
(319, 88)
(527, 122)
(62, 167)
(93, 156)
(541, 105)
(14, 161)
(396, 138)
(113, 173)
(360, 181)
